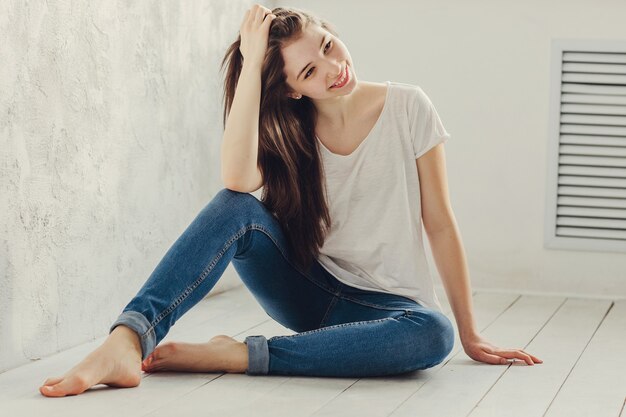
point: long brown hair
(288, 156)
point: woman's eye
(309, 71)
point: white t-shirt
(375, 242)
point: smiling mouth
(344, 76)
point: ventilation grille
(589, 116)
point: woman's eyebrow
(307, 65)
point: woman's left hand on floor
(480, 350)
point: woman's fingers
(492, 359)
(255, 13)
(261, 12)
(515, 354)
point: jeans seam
(352, 323)
(328, 310)
(378, 306)
(200, 279)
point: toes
(150, 363)
(160, 352)
(48, 391)
(155, 368)
(52, 381)
(52, 391)
(146, 362)
(68, 386)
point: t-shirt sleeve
(425, 126)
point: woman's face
(315, 62)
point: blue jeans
(342, 331)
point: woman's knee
(235, 199)
(445, 337)
(434, 334)
(232, 203)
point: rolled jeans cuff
(137, 322)
(258, 355)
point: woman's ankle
(124, 333)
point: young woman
(333, 250)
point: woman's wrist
(252, 66)
(468, 334)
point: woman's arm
(240, 144)
(451, 263)
(445, 242)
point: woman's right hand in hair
(255, 33)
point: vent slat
(607, 203)
(592, 182)
(592, 171)
(594, 68)
(592, 140)
(596, 161)
(593, 99)
(609, 151)
(591, 233)
(591, 191)
(593, 213)
(582, 119)
(594, 130)
(593, 109)
(614, 90)
(591, 222)
(615, 58)
(594, 78)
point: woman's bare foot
(220, 354)
(117, 363)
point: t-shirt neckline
(361, 145)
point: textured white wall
(110, 127)
(486, 66)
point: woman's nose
(335, 71)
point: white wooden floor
(581, 341)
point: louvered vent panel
(590, 201)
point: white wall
(110, 127)
(485, 65)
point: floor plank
(597, 384)
(462, 382)
(528, 390)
